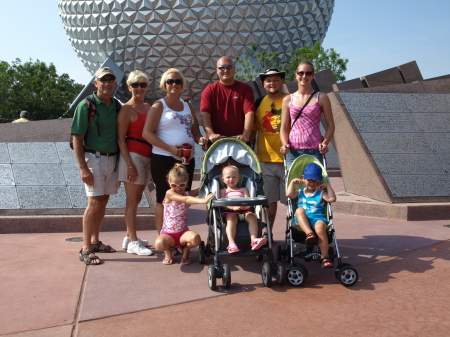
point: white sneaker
(137, 248)
(126, 241)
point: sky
(373, 35)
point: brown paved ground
(403, 288)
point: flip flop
(186, 261)
(167, 261)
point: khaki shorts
(105, 178)
(274, 182)
(142, 165)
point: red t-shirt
(227, 105)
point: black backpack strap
(258, 102)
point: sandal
(326, 262)
(167, 261)
(186, 261)
(232, 248)
(258, 243)
(84, 257)
(106, 249)
(311, 239)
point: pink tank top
(235, 194)
(305, 134)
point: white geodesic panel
(188, 35)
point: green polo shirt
(102, 130)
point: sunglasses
(307, 73)
(222, 68)
(181, 185)
(107, 79)
(172, 81)
(137, 85)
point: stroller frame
(297, 273)
(216, 239)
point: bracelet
(130, 166)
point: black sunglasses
(137, 85)
(107, 79)
(171, 81)
(222, 68)
(307, 73)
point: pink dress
(175, 217)
(305, 134)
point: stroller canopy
(219, 152)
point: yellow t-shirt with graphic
(268, 123)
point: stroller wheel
(201, 253)
(266, 274)
(259, 258)
(226, 276)
(347, 275)
(305, 270)
(281, 273)
(295, 275)
(212, 277)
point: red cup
(186, 153)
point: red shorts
(176, 237)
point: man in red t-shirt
(227, 106)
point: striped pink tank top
(305, 134)
(235, 194)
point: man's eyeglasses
(307, 73)
(137, 85)
(171, 81)
(222, 68)
(107, 79)
(181, 185)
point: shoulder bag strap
(301, 110)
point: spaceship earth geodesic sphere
(191, 36)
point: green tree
(35, 87)
(317, 55)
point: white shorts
(105, 178)
(274, 182)
(142, 165)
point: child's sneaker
(137, 248)
(126, 241)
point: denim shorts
(295, 153)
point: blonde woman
(170, 123)
(135, 153)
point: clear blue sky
(373, 34)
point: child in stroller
(309, 214)
(230, 177)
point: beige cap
(104, 71)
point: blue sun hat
(313, 171)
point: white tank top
(175, 127)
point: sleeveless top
(234, 194)
(175, 217)
(175, 127)
(305, 134)
(135, 131)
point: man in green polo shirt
(95, 148)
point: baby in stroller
(230, 177)
(310, 208)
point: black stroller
(230, 151)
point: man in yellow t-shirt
(267, 124)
